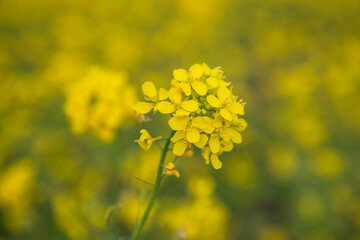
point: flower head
(100, 103)
(145, 141)
(203, 111)
(171, 170)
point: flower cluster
(100, 102)
(203, 109)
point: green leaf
(109, 212)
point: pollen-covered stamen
(242, 102)
(227, 103)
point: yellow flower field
(250, 107)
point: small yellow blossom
(171, 170)
(145, 141)
(226, 102)
(203, 111)
(156, 98)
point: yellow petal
(226, 114)
(146, 145)
(226, 146)
(222, 83)
(143, 107)
(213, 101)
(235, 136)
(214, 143)
(178, 136)
(206, 69)
(217, 164)
(192, 135)
(149, 89)
(236, 108)
(170, 166)
(199, 122)
(178, 123)
(196, 71)
(180, 147)
(163, 94)
(234, 120)
(206, 154)
(186, 88)
(199, 87)
(165, 107)
(216, 72)
(145, 140)
(213, 82)
(223, 93)
(202, 142)
(225, 134)
(175, 96)
(242, 124)
(181, 112)
(145, 133)
(218, 121)
(190, 105)
(180, 74)
(210, 127)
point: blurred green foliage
(295, 176)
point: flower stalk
(155, 189)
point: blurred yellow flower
(100, 102)
(282, 163)
(310, 207)
(68, 216)
(243, 172)
(273, 233)
(204, 211)
(327, 164)
(16, 187)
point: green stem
(154, 191)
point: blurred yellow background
(65, 160)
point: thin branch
(175, 158)
(163, 139)
(154, 191)
(141, 180)
(158, 144)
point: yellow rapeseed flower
(156, 98)
(145, 141)
(226, 102)
(191, 80)
(171, 170)
(203, 111)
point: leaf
(109, 212)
